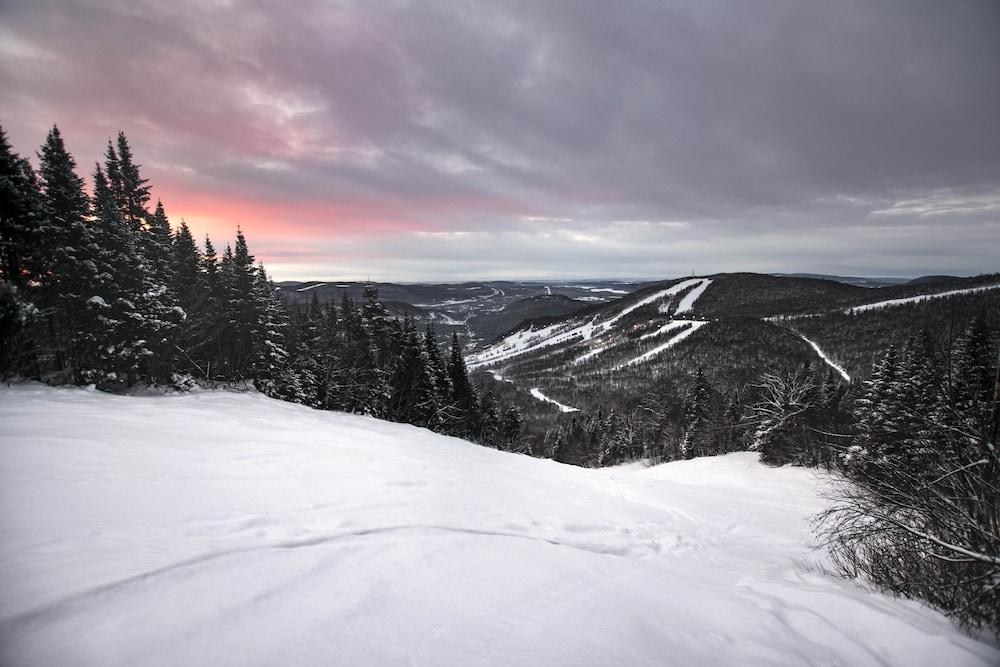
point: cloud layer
(445, 140)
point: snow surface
(537, 393)
(922, 297)
(306, 289)
(231, 529)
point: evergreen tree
(464, 397)
(238, 284)
(158, 245)
(130, 189)
(19, 216)
(698, 437)
(65, 250)
(188, 285)
(268, 324)
(20, 222)
(414, 398)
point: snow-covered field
(231, 529)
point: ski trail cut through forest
(537, 393)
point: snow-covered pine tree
(188, 285)
(113, 341)
(364, 388)
(20, 220)
(65, 251)
(158, 247)
(238, 283)
(464, 397)
(155, 314)
(445, 411)
(414, 399)
(330, 358)
(873, 413)
(698, 439)
(212, 323)
(130, 189)
(268, 355)
(511, 423)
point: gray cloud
(764, 127)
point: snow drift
(231, 529)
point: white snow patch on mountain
(232, 529)
(306, 289)
(822, 355)
(537, 393)
(687, 303)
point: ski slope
(827, 360)
(576, 330)
(690, 327)
(537, 393)
(232, 529)
(922, 297)
(687, 303)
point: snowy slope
(229, 529)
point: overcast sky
(447, 140)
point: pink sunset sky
(454, 140)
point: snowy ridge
(537, 393)
(232, 529)
(889, 303)
(532, 340)
(828, 360)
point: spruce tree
(464, 397)
(20, 217)
(65, 249)
(20, 222)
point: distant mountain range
(733, 326)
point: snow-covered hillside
(231, 529)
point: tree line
(99, 289)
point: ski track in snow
(537, 393)
(646, 356)
(222, 528)
(531, 340)
(828, 360)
